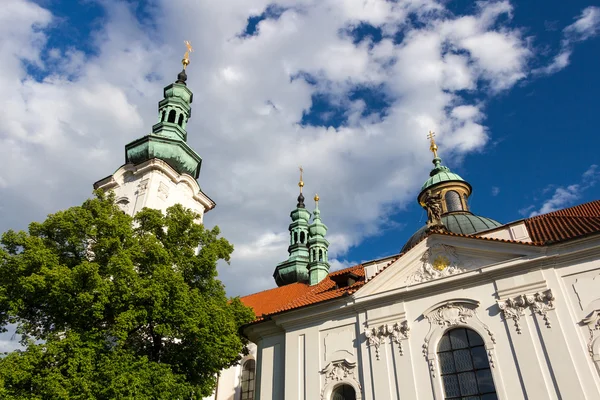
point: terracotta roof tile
(298, 295)
(561, 225)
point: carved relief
(592, 322)
(438, 261)
(123, 204)
(513, 308)
(143, 186)
(163, 191)
(539, 302)
(449, 314)
(340, 371)
(396, 332)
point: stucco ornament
(539, 303)
(458, 312)
(513, 308)
(592, 322)
(396, 332)
(340, 372)
(438, 261)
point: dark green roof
(439, 174)
(464, 223)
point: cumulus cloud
(586, 26)
(565, 196)
(68, 112)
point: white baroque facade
(530, 312)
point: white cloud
(586, 26)
(495, 191)
(565, 196)
(62, 132)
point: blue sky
(347, 89)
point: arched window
(302, 237)
(180, 122)
(164, 114)
(295, 237)
(344, 392)
(464, 366)
(247, 392)
(453, 201)
(314, 254)
(320, 255)
(172, 115)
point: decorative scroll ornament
(539, 302)
(337, 372)
(396, 332)
(438, 261)
(453, 313)
(592, 321)
(513, 308)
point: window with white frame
(248, 375)
(464, 365)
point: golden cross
(433, 147)
(301, 183)
(186, 56)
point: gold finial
(186, 56)
(433, 147)
(301, 183)
(317, 198)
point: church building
(470, 308)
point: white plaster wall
(154, 184)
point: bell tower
(161, 169)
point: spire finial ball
(316, 197)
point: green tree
(115, 307)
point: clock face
(440, 263)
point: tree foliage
(117, 307)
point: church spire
(168, 140)
(294, 269)
(318, 266)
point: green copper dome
(463, 223)
(440, 174)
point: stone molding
(340, 372)
(397, 332)
(439, 261)
(450, 314)
(539, 302)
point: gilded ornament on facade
(441, 263)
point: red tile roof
(561, 225)
(549, 228)
(298, 295)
